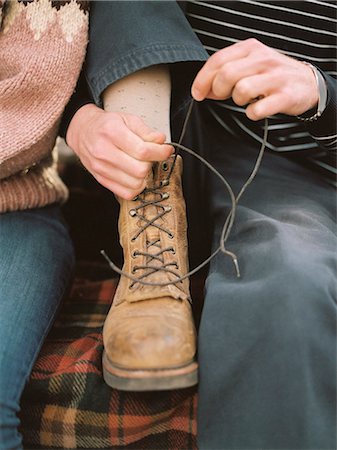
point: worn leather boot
(149, 334)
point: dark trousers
(267, 340)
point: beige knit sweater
(42, 47)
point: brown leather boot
(149, 334)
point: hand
(260, 77)
(117, 149)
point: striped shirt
(305, 30)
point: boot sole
(149, 380)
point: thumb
(141, 129)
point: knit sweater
(42, 47)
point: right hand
(258, 77)
(117, 149)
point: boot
(149, 335)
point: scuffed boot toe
(150, 352)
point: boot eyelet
(167, 208)
(133, 212)
(171, 235)
(134, 270)
(164, 183)
(165, 166)
(134, 254)
(172, 250)
(165, 195)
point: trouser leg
(267, 343)
(36, 262)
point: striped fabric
(306, 30)
(67, 405)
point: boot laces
(228, 224)
(153, 254)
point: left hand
(256, 75)
(116, 148)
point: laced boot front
(149, 334)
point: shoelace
(227, 227)
(155, 261)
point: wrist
(315, 113)
(79, 122)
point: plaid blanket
(67, 405)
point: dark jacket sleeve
(126, 36)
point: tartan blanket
(67, 405)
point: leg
(36, 261)
(267, 345)
(149, 335)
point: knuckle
(269, 59)
(253, 43)
(104, 125)
(95, 148)
(136, 184)
(242, 88)
(110, 132)
(287, 94)
(141, 171)
(95, 166)
(226, 73)
(128, 194)
(142, 152)
(105, 129)
(218, 56)
(98, 152)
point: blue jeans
(36, 262)
(267, 341)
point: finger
(251, 88)
(108, 158)
(141, 129)
(202, 84)
(129, 179)
(232, 73)
(120, 190)
(265, 107)
(131, 143)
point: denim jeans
(36, 262)
(267, 340)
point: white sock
(145, 93)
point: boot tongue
(154, 244)
(152, 233)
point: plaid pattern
(67, 404)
